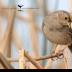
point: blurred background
(29, 35)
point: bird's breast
(59, 36)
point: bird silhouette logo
(20, 6)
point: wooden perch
(21, 59)
(66, 60)
(50, 60)
(36, 59)
(8, 30)
(26, 63)
(5, 63)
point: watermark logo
(20, 8)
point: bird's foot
(58, 57)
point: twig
(21, 59)
(66, 60)
(50, 60)
(36, 59)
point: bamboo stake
(33, 35)
(66, 60)
(37, 65)
(26, 64)
(50, 60)
(9, 48)
(21, 59)
(8, 30)
(5, 63)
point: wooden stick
(12, 60)
(36, 59)
(50, 60)
(47, 57)
(32, 60)
(16, 39)
(8, 30)
(33, 35)
(9, 48)
(66, 60)
(26, 63)
(5, 63)
(21, 59)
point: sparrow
(57, 28)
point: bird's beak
(70, 22)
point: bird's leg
(54, 52)
(62, 51)
(54, 49)
(64, 48)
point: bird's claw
(58, 57)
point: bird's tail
(70, 48)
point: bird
(57, 28)
(20, 6)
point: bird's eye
(65, 18)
